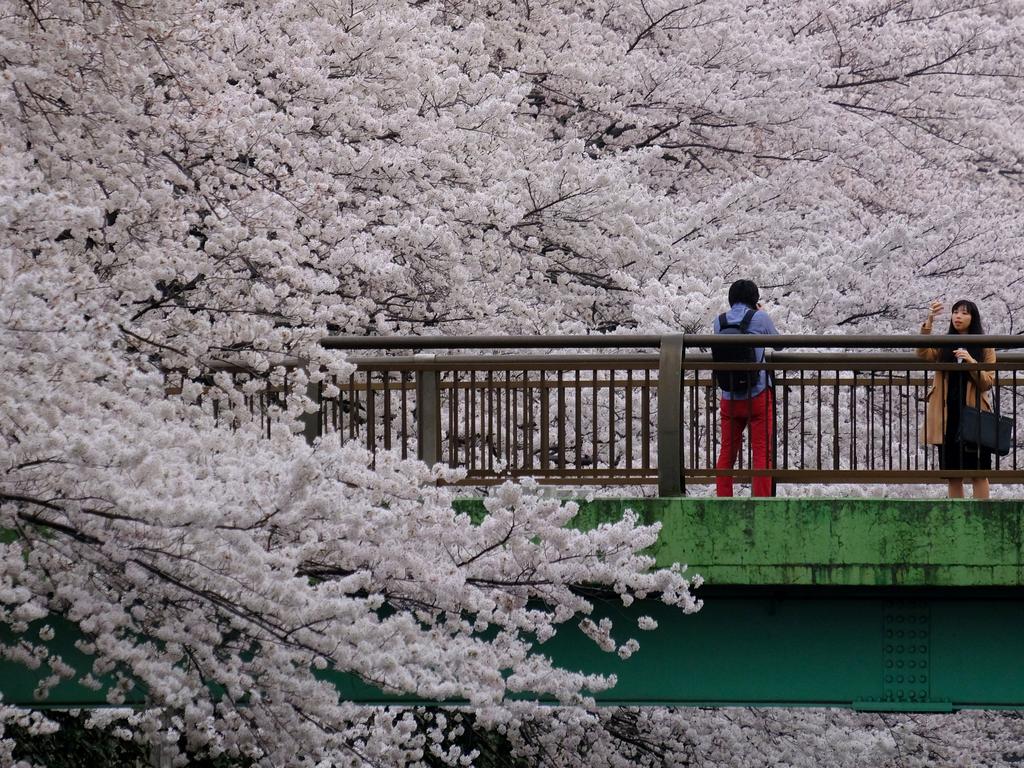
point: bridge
(872, 603)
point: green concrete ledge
(834, 542)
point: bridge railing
(644, 418)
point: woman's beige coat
(935, 407)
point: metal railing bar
(453, 423)
(995, 405)
(785, 420)
(647, 341)
(507, 362)
(803, 423)
(803, 476)
(387, 411)
(649, 383)
(537, 384)
(1015, 421)
(869, 407)
(641, 341)
(853, 419)
(560, 419)
(557, 480)
(578, 411)
(628, 415)
(513, 424)
(711, 418)
(353, 407)
(545, 418)
(822, 477)
(611, 418)
(527, 415)
(489, 440)
(465, 426)
(594, 421)
(571, 473)
(405, 415)
(471, 416)
(645, 421)
(818, 402)
(824, 362)
(836, 450)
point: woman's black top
(952, 453)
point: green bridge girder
(898, 605)
(833, 542)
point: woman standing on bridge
(951, 391)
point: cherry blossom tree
(721, 738)
(728, 738)
(186, 183)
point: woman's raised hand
(934, 309)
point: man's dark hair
(744, 292)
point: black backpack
(735, 382)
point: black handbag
(985, 430)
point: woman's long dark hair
(975, 327)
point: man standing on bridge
(746, 395)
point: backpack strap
(745, 322)
(744, 325)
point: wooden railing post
(670, 438)
(428, 414)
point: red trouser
(736, 416)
